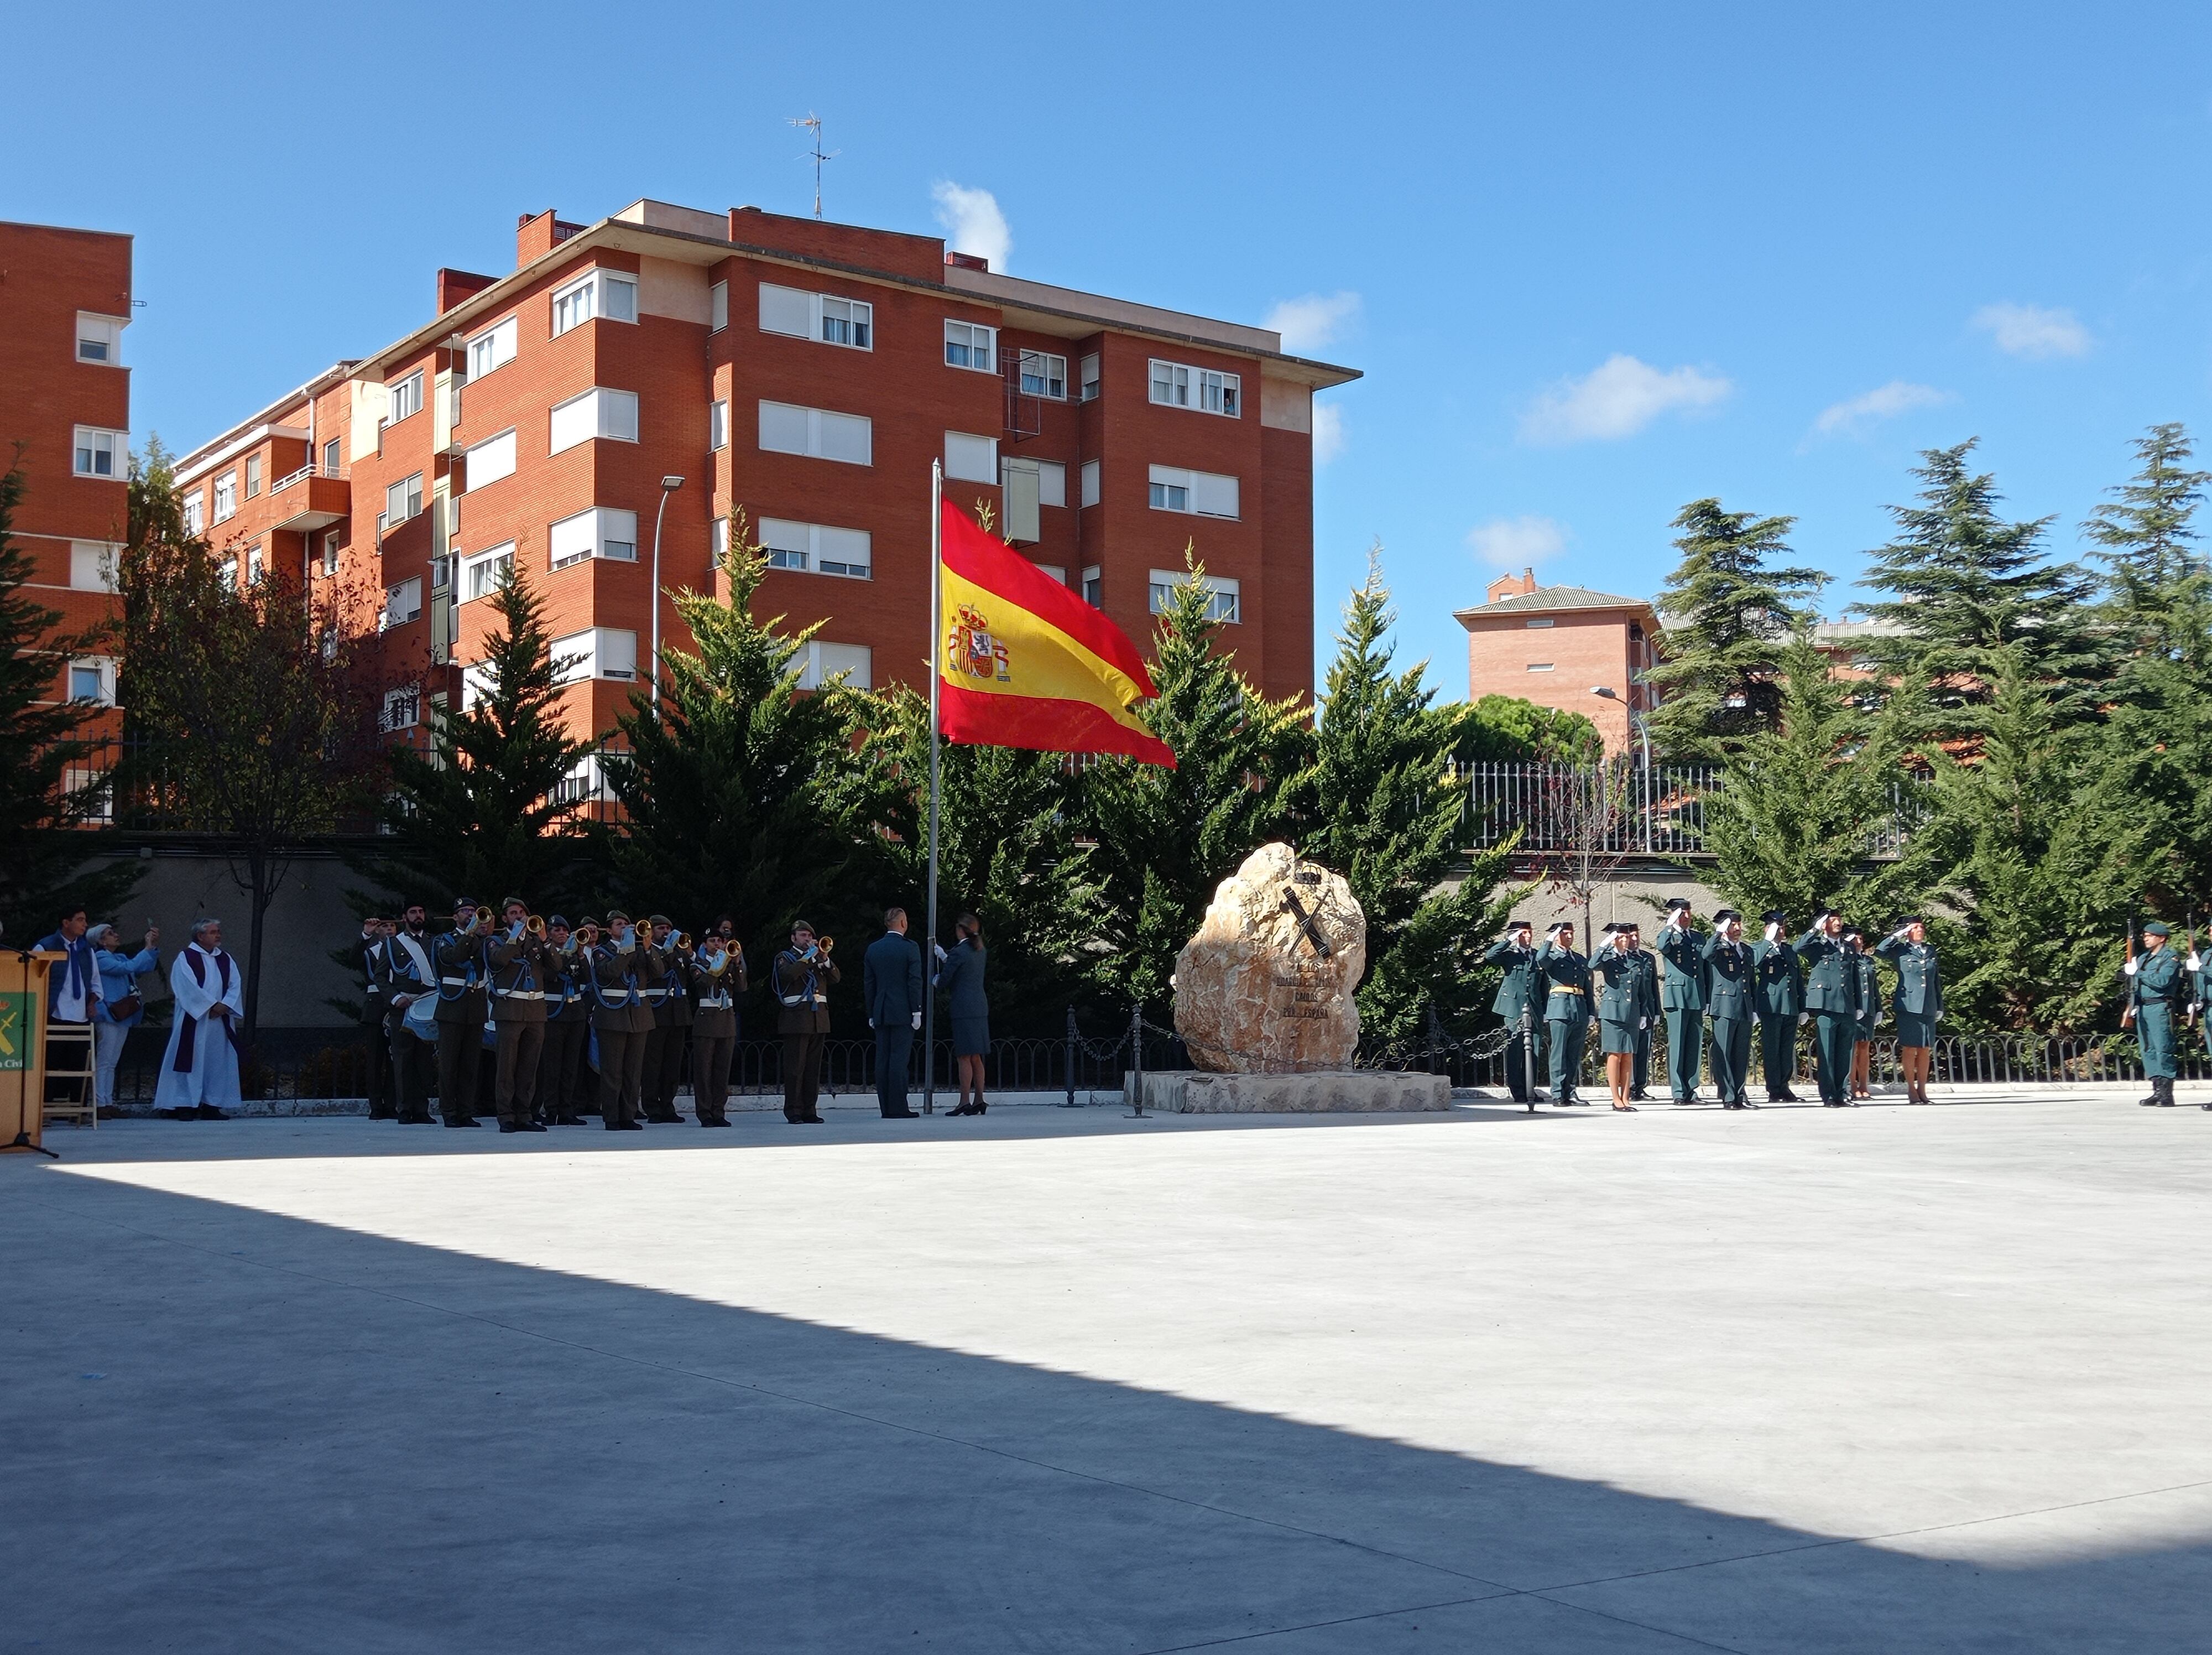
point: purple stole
(187, 1040)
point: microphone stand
(22, 1140)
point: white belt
(520, 994)
(456, 982)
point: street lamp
(668, 486)
(1636, 721)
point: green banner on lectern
(15, 1031)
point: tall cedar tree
(1729, 612)
(480, 814)
(2147, 539)
(1383, 808)
(739, 793)
(1964, 585)
(1166, 838)
(42, 846)
(254, 706)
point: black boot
(2165, 1094)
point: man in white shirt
(72, 992)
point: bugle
(535, 925)
(825, 944)
(482, 918)
(680, 941)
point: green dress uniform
(519, 967)
(1647, 965)
(622, 1019)
(1869, 987)
(2158, 990)
(1620, 999)
(1781, 1003)
(1566, 1015)
(1731, 1001)
(1518, 993)
(1917, 1000)
(462, 1012)
(1831, 994)
(1682, 997)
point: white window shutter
(1211, 495)
(848, 437)
(785, 310)
(783, 428)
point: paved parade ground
(1801, 1380)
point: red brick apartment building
(66, 422)
(808, 372)
(1553, 645)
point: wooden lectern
(22, 1048)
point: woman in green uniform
(1620, 998)
(1917, 1002)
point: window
(481, 571)
(970, 459)
(1090, 377)
(490, 460)
(195, 511)
(332, 542)
(970, 344)
(225, 572)
(817, 547)
(1021, 485)
(602, 532)
(402, 708)
(1540, 667)
(717, 307)
(100, 338)
(1221, 593)
(604, 295)
(825, 661)
(1052, 483)
(405, 398)
(822, 316)
(1205, 493)
(718, 425)
(1044, 375)
(401, 501)
(1094, 587)
(1090, 495)
(256, 565)
(1058, 574)
(101, 454)
(1544, 621)
(252, 475)
(597, 413)
(493, 348)
(92, 566)
(1170, 384)
(1218, 394)
(226, 496)
(93, 679)
(402, 603)
(787, 429)
(597, 652)
(1175, 385)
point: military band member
(1566, 1009)
(672, 1027)
(1620, 984)
(1520, 994)
(1916, 1002)
(462, 1011)
(1641, 1071)
(567, 1028)
(1781, 1006)
(516, 969)
(374, 930)
(2157, 988)
(1869, 993)
(619, 972)
(1682, 998)
(1831, 998)
(717, 976)
(404, 973)
(1732, 1002)
(799, 978)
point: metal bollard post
(1137, 1056)
(1070, 1103)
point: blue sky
(1596, 261)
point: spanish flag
(1024, 662)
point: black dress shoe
(209, 1112)
(1637, 1095)
(633, 1126)
(508, 1126)
(566, 1120)
(461, 1120)
(810, 1120)
(1731, 1105)
(900, 1115)
(1745, 1103)
(613, 1126)
(529, 1126)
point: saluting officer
(1781, 1006)
(1620, 983)
(459, 954)
(1732, 1002)
(1917, 1002)
(1566, 1009)
(717, 976)
(1832, 997)
(1868, 982)
(2157, 990)
(1648, 1016)
(620, 971)
(1519, 992)
(1682, 998)
(518, 967)
(568, 1026)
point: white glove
(917, 1020)
(1643, 1022)
(2195, 962)
(627, 942)
(2131, 967)
(871, 1022)
(1804, 1017)
(514, 931)
(1772, 932)
(938, 948)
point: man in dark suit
(374, 930)
(891, 986)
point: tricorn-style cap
(1828, 913)
(1520, 925)
(1678, 904)
(1775, 917)
(1723, 915)
(465, 904)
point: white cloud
(1516, 542)
(2034, 332)
(1309, 323)
(1328, 432)
(972, 222)
(1617, 398)
(1854, 413)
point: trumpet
(586, 935)
(482, 918)
(681, 942)
(825, 944)
(535, 925)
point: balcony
(311, 498)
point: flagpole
(936, 674)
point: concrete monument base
(1192, 1092)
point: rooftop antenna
(813, 124)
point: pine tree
(2147, 538)
(481, 813)
(1383, 810)
(1166, 838)
(1728, 612)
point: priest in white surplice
(199, 1071)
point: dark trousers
(521, 1048)
(460, 1058)
(894, 1044)
(379, 1041)
(559, 1067)
(1518, 1066)
(802, 1074)
(1641, 1047)
(621, 1074)
(1731, 1058)
(1686, 1039)
(664, 1070)
(1834, 1034)
(1565, 1036)
(710, 1074)
(1777, 1044)
(414, 1071)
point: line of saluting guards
(546, 997)
(1711, 989)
